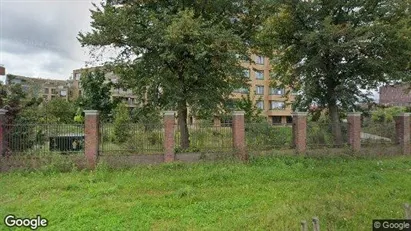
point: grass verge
(269, 193)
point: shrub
(121, 123)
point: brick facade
(300, 131)
(169, 120)
(402, 124)
(354, 130)
(395, 95)
(239, 135)
(92, 135)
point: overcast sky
(38, 37)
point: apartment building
(47, 89)
(275, 106)
(125, 95)
(272, 101)
(395, 95)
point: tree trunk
(182, 123)
(335, 124)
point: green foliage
(252, 112)
(178, 54)
(263, 135)
(96, 93)
(386, 114)
(121, 123)
(62, 110)
(275, 191)
(79, 118)
(147, 115)
(331, 50)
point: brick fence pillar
(354, 130)
(169, 120)
(92, 134)
(300, 131)
(402, 127)
(2, 131)
(239, 135)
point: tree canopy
(331, 51)
(96, 92)
(179, 54)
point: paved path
(373, 137)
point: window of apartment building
(289, 119)
(53, 91)
(259, 60)
(46, 90)
(246, 73)
(277, 91)
(241, 90)
(259, 90)
(259, 74)
(277, 105)
(276, 119)
(63, 93)
(260, 104)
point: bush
(266, 135)
(121, 123)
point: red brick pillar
(169, 120)
(300, 131)
(2, 135)
(91, 133)
(402, 125)
(239, 135)
(354, 130)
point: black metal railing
(130, 139)
(320, 135)
(206, 137)
(378, 133)
(43, 138)
(265, 136)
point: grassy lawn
(269, 193)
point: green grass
(269, 193)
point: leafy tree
(147, 115)
(96, 92)
(330, 50)
(179, 54)
(14, 101)
(121, 123)
(252, 112)
(387, 114)
(62, 110)
(79, 118)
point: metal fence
(320, 135)
(206, 137)
(43, 138)
(265, 136)
(131, 139)
(378, 133)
